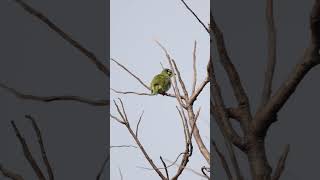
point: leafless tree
(255, 126)
(185, 109)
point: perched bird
(161, 83)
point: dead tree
(255, 126)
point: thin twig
(170, 165)
(20, 95)
(140, 118)
(136, 139)
(27, 153)
(281, 163)
(121, 146)
(43, 151)
(133, 75)
(117, 119)
(194, 14)
(105, 162)
(189, 169)
(165, 167)
(272, 54)
(64, 35)
(223, 160)
(131, 92)
(9, 174)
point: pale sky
(134, 24)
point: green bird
(161, 83)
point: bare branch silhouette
(194, 14)
(105, 162)
(64, 35)
(27, 153)
(272, 53)
(20, 95)
(9, 174)
(281, 163)
(125, 121)
(43, 151)
(222, 160)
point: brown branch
(27, 153)
(43, 151)
(131, 92)
(125, 121)
(281, 163)
(204, 151)
(133, 75)
(20, 95)
(232, 112)
(175, 84)
(194, 14)
(232, 73)
(264, 118)
(64, 35)
(272, 53)
(189, 169)
(221, 115)
(223, 160)
(9, 174)
(195, 95)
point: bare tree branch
(43, 151)
(310, 60)
(105, 162)
(194, 62)
(64, 35)
(133, 75)
(20, 95)
(125, 121)
(194, 14)
(140, 118)
(204, 151)
(221, 115)
(9, 174)
(233, 76)
(281, 163)
(186, 168)
(121, 146)
(272, 53)
(165, 167)
(222, 160)
(132, 92)
(222, 119)
(27, 153)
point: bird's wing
(158, 80)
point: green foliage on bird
(161, 83)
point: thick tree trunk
(260, 168)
